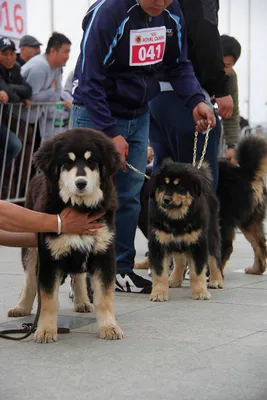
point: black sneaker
(132, 283)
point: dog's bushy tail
(252, 156)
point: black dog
(242, 196)
(183, 225)
(77, 170)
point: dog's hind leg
(26, 300)
(214, 242)
(179, 265)
(215, 279)
(227, 238)
(142, 264)
(254, 233)
(82, 302)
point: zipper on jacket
(145, 87)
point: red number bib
(147, 46)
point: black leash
(29, 328)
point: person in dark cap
(13, 89)
(231, 49)
(29, 47)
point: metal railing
(27, 126)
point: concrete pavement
(182, 349)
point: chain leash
(136, 170)
(194, 154)
(204, 148)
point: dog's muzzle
(167, 202)
(81, 184)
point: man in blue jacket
(124, 41)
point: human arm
(231, 127)
(15, 218)
(183, 80)
(36, 78)
(92, 67)
(7, 94)
(92, 72)
(201, 18)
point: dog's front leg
(198, 260)
(103, 284)
(47, 325)
(160, 263)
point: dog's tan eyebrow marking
(72, 156)
(176, 181)
(167, 180)
(87, 155)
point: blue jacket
(106, 83)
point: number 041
(152, 52)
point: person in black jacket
(172, 126)
(13, 89)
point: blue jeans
(128, 184)
(172, 130)
(14, 146)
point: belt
(76, 103)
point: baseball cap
(6, 43)
(29, 41)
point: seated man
(44, 73)
(29, 47)
(13, 89)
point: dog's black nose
(81, 183)
(167, 200)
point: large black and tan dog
(77, 169)
(184, 226)
(242, 196)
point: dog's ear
(200, 184)
(44, 159)
(196, 187)
(152, 186)
(166, 161)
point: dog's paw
(85, 307)
(201, 295)
(253, 271)
(157, 295)
(112, 332)
(45, 336)
(216, 284)
(175, 283)
(18, 312)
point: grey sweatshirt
(39, 75)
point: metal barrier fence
(25, 127)
(22, 129)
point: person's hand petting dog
(74, 222)
(204, 117)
